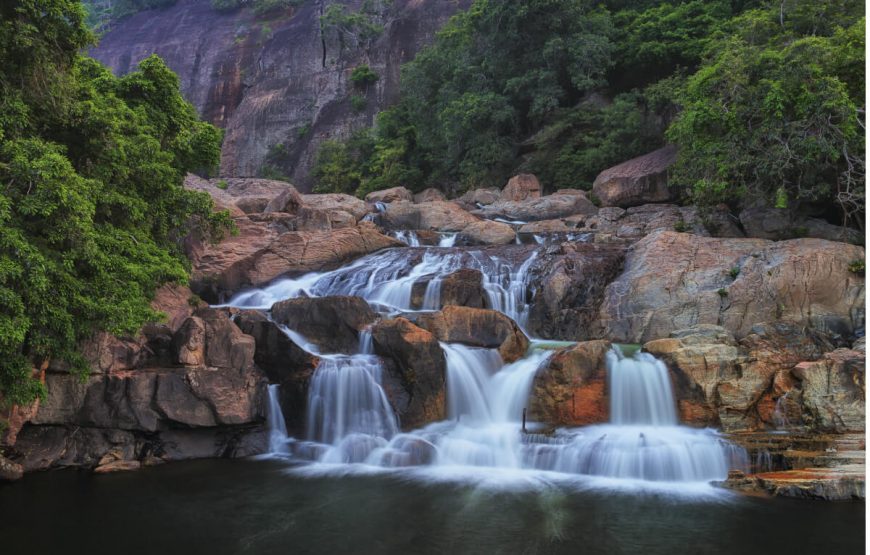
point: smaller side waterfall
(640, 390)
(275, 422)
(345, 397)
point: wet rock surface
(478, 328)
(416, 378)
(332, 323)
(571, 390)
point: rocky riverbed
(762, 337)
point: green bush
(363, 76)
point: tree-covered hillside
(764, 99)
(92, 208)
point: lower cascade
(350, 420)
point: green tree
(92, 208)
(776, 116)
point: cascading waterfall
(350, 419)
(643, 440)
(386, 279)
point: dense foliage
(92, 209)
(765, 100)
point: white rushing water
(350, 421)
(387, 279)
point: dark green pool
(259, 507)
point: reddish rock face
(416, 371)
(479, 328)
(638, 181)
(259, 254)
(572, 389)
(760, 383)
(434, 216)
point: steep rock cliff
(277, 83)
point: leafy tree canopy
(764, 100)
(92, 208)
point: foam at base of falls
(655, 453)
(485, 405)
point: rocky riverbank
(763, 338)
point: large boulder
(570, 281)
(479, 328)
(487, 232)
(434, 215)
(464, 287)
(333, 324)
(389, 195)
(258, 255)
(247, 195)
(640, 180)
(337, 201)
(734, 283)
(549, 207)
(571, 390)
(317, 219)
(415, 383)
(521, 187)
(833, 391)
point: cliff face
(278, 84)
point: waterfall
(275, 422)
(640, 390)
(345, 397)
(386, 279)
(643, 440)
(408, 237)
(506, 289)
(447, 240)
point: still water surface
(269, 506)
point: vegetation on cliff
(92, 209)
(764, 99)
